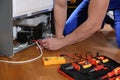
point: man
(84, 21)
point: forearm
(60, 13)
(81, 33)
(96, 13)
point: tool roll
(95, 68)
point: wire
(19, 46)
(18, 62)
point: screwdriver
(98, 67)
(78, 66)
(114, 72)
(115, 78)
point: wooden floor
(102, 41)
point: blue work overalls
(80, 14)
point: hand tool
(98, 67)
(115, 78)
(114, 72)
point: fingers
(44, 43)
(41, 41)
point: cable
(17, 47)
(18, 62)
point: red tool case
(85, 74)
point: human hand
(52, 43)
(59, 36)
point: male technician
(88, 18)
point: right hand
(52, 43)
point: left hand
(52, 43)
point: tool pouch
(85, 74)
